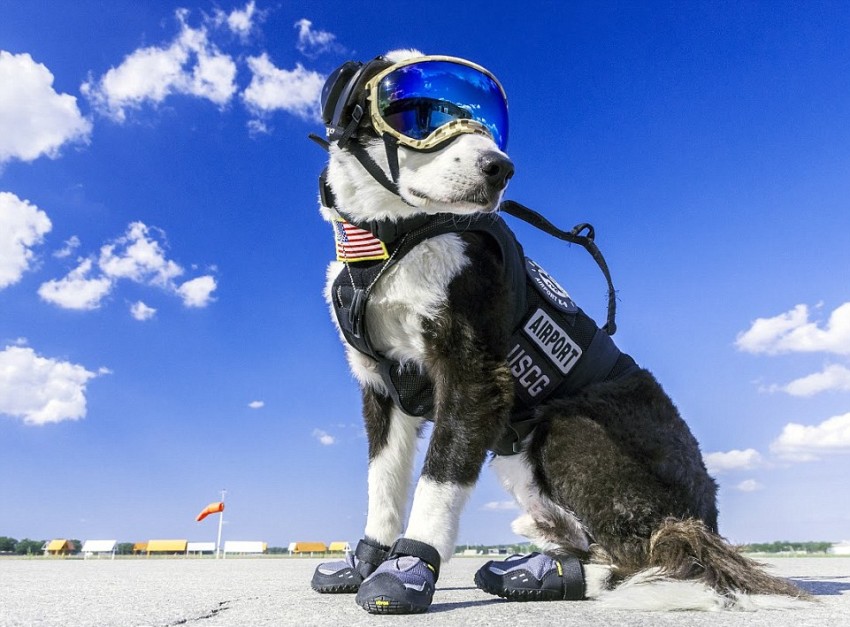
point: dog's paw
(533, 577)
(402, 585)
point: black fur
(467, 344)
(622, 459)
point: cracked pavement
(160, 592)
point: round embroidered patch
(549, 287)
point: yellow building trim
(167, 546)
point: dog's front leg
(471, 408)
(470, 411)
(392, 447)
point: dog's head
(436, 127)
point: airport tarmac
(276, 591)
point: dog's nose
(497, 168)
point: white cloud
(190, 65)
(496, 506)
(34, 119)
(240, 22)
(323, 437)
(749, 485)
(258, 127)
(140, 311)
(294, 91)
(256, 404)
(22, 226)
(71, 244)
(312, 43)
(832, 377)
(77, 290)
(138, 256)
(807, 443)
(197, 292)
(793, 332)
(40, 390)
(732, 460)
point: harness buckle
(357, 312)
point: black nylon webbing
(574, 237)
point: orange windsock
(212, 508)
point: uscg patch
(549, 288)
(542, 355)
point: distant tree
(124, 548)
(277, 550)
(29, 547)
(7, 545)
(76, 546)
(783, 546)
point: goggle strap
(369, 164)
(321, 141)
(391, 145)
(351, 128)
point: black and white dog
(611, 481)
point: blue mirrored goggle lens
(417, 99)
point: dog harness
(555, 349)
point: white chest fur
(412, 290)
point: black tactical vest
(555, 349)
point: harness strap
(370, 554)
(574, 237)
(572, 572)
(415, 548)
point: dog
(610, 480)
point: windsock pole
(220, 521)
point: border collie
(610, 480)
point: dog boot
(346, 575)
(404, 584)
(533, 577)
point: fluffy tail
(690, 567)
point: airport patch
(553, 341)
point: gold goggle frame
(446, 131)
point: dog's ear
(337, 92)
(343, 91)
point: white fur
(389, 479)
(645, 591)
(435, 514)
(648, 591)
(402, 54)
(411, 291)
(445, 181)
(514, 471)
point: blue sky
(162, 329)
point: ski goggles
(426, 101)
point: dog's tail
(690, 567)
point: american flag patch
(356, 244)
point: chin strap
(386, 230)
(369, 164)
